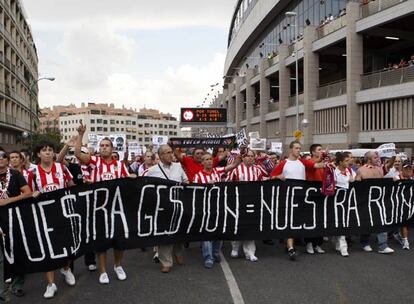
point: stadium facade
(355, 78)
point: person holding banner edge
(13, 187)
(371, 170)
(247, 171)
(167, 169)
(210, 175)
(50, 176)
(103, 167)
(294, 167)
(344, 175)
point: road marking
(343, 299)
(231, 282)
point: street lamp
(294, 14)
(32, 94)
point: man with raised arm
(102, 168)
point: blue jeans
(381, 237)
(211, 249)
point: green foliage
(53, 137)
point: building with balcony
(18, 76)
(355, 78)
(105, 119)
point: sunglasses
(3, 154)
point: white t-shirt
(342, 178)
(392, 173)
(294, 169)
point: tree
(51, 136)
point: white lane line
(231, 281)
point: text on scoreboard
(207, 116)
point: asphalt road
(328, 278)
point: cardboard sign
(254, 135)
(386, 150)
(241, 138)
(258, 144)
(133, 149)
(277, 147)
(158, 140)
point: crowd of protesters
(74, 165)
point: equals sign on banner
(250, 208)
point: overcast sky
(161, 53)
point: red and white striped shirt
(103, 171)
(203, 177)
(243, 173)
(56, 178)
(85, 171)
(29, 177)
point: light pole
(32, 94)
(296, 33)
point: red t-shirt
(313, 174)
(192, 167)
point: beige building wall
(18, 77)
(105, 119)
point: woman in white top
(343, 176)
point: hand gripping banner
(44, 233)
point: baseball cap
(407, 164)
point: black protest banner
(208, 142)
(42, 234)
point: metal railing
(273, 106)
(274, 60)
(291, 47)
(10, 120)
(373, 7)
(332, 26)
(332, 89)
(292, 100)
(387, 77)
(6, 90)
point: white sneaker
(234, 254)
(69, 277)
(50, 292)
(120, 273)
(337, 246)
(344, 252)
(103, 278)
(367, 248)
(406, 244)
(386, 250)
(252, 258)
(309, 248)
(92, 267)
(319, 250)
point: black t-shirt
(17, 181)
(76, 172)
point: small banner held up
(223, 142)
